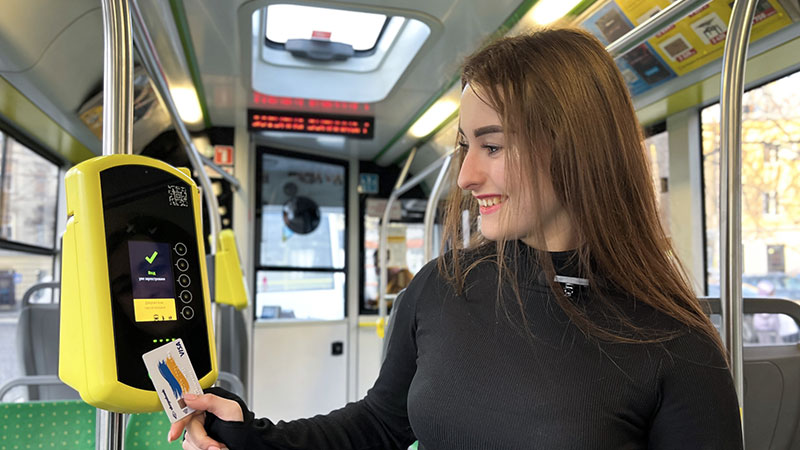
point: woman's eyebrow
(489, 129)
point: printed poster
(643, 68)
(699, 38)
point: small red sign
(321, 35)
(223, 155)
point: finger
(189, 446)
(197, 436)
(176, 428)
(223, 408)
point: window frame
(356, 53)
(261, 150)
(34, 146)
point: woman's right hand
(196, 437)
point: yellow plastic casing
(229, 287)
(87, 359)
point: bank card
(173, 375)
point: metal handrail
(757, 305)
(383, 275)
(399, 189)
(26, 297)
(236, 385)
(235, 184)
(153, 67)
(117, 79)
(653, 25)
(30, 380)
(430, 208)
(734, 59)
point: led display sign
(352, 126)
(326, 106)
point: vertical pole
(430, 209)
(465, 228)
(109, 430)
(117, 139)
(117, 78)
(732, 90)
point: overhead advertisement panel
(700, 37)
(683, 46)
(642, 67)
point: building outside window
(29, 187)
(770, 201)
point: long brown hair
(564, 106)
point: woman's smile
(490, 203)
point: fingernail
(213, 448)
(189, 396)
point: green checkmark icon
(151, 258)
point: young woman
(568, 325)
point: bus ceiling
(228, 62)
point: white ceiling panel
(217, 29)
(29, 27)
(52, 52)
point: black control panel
(154, 268)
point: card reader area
(154, 268)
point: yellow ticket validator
(133, 278)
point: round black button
(186, 296)
(180, 248)
(182, 264)
(184, 280)
(187, 312)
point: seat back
(771, 382)
(149, 430)
(66, 425)
(234, 346)
(37, 344)
(70, 425)
(390, 323)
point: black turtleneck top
(461, 374)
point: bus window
(765, 329)
(770, 188)
(405, 251)
(300, 270)
(29, 196)
(657, 145)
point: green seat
(47, 425)
(149, 431)
(70, 425)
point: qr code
(178, 196)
